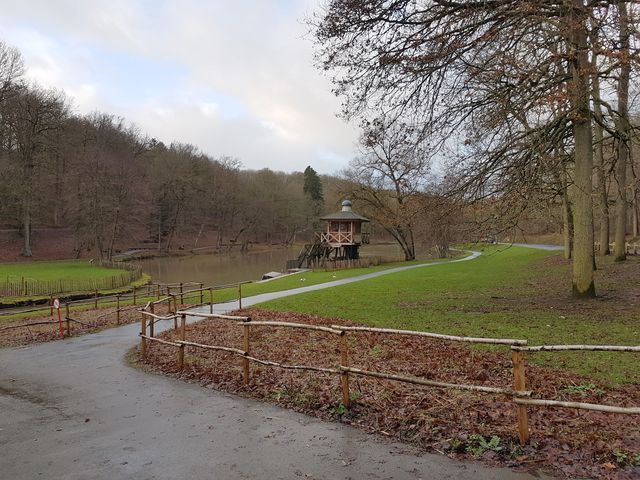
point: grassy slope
(474, 298)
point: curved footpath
(73, 409)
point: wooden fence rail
(453, 338)
(541, 402)
(520, 396)
(567, 348)
(119, 308)
(343, 369)
(579, 405)
(629, 248)
(119, 301)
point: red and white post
(56, 305)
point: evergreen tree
(312, 188)
(312, 185)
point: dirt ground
(458, 424)
(617, 288)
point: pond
(222, 268)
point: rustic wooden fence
(172, 294)
(28, 287)
(516, 349)
(629, 248)
(520, 396)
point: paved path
(537, 246)
(265, 297)
(73, 409)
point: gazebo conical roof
(346, 214)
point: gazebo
(344, 232)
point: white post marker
(56, 305)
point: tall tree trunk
(174, 226)
(26, 205)
(195, 244)
(159, 228)
(634, 196)
(26, 228)
(567, 220)
(601, 178)
(622, 126)
(114, 234)
(219, 237)
(583, 282)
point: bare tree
(623, 128)
(387, 177)
(11, 69)
(32, 115)
(457, 64)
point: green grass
(475, 299)
(303, 279)
(68, 270)
(63, 270)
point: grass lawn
(303, 279)
(64, 270)
(508, 292)
(69, 274)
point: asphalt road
(73, 409)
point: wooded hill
(107, 186)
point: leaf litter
(459, 424)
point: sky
(232, 77)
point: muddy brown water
(218, 269)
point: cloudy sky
(232, 77)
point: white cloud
(231, 77)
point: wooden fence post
(96, 299)
(68, 326)
(158, 291)
(517, 358)
(245, 360)
(173, 311)
(153, 320)
(169, 305)
(66, 307)
(134, 295)
(183, 337)
(143, 331)
(201, 293)
(211, 300)
(51, 304)
(239, 296)
(344, 376)
(181, 294)
(118, 309)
